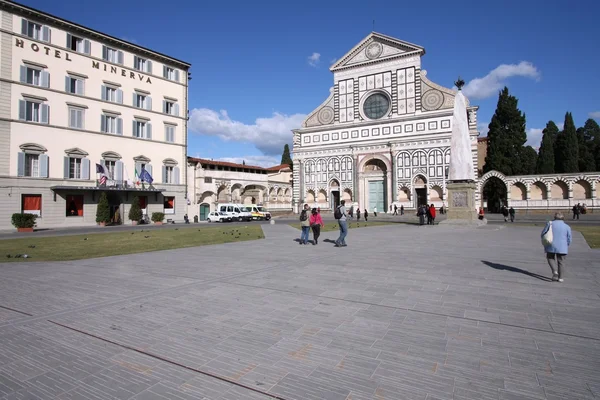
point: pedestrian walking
(432, 214)
(556, 238)
(401, 210)
(395, 210)
(351, 212)
(357, 214)
(316, 223)
(511, 212)
(305, 225)
(340, 215)
(481, 213)
(505, 213)
(375, 211)
(421, 214)
(576, 211)
(366, 215)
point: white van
(237, 212)
(259, 212)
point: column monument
(461, 185)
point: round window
(376, 106)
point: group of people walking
(426, 212)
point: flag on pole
(101, 169)
(145, 176)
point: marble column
(394, 179)
(301, 181)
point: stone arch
(419, 158)
(236, 193)
(370, 160)
(582, 189)
(559, 190)
(347, 195)
(208, 197)
(223, 194)
(494, 190)
(403, 159)
(334, 183)
(288, 194)
(322, 196)
(404, 194)
(419, 181)
(310, 196)
(280, 198)
(538, 191)
(492, 174)
(436, 193)
(518, 191)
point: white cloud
(260, 161)
(534, 137)
(489, 85)
(333, 61)
(482, 127)
(594, 114)
(269, 135)
(314, 59)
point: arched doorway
(494, 194)
(334, 199)
(420, 186)
(375, 176)
(204, 211)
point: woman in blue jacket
(556, 252)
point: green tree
(586, 146)
(506, 136)
(567, 148)
(285, 157)
(545, 160)
(103, 209)
(135, 212)
(528, 160)
(591, 133)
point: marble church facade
(382, 136)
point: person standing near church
(366, 215)
(316, 223)
(432, 214)
(511, 212)
(375, 211)
(305, 225)
(357, 214)
(402, 210)
(395, 209)
(341, 241)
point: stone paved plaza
(404, 312)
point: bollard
(272, 222)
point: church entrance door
(377, 195)
(421, 195)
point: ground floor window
(169, 205)
(75, 205)
(31, 204)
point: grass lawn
(333, 226)
(590, 233)
(76, 247)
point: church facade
(382, 136)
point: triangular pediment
(376, 48)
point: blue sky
(260, 66)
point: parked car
(259, 212)
(236, 212)
(216, 216)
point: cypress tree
(103, 209)
(507, 136)
(545, 160)
(591, 133)
(567, 148)
(586, 156)
(285, 157)
(529, 159)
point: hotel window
(76, 117)
(32, 165)
(74, 168)
(142, 129)
(34, 76)
(78, 44)
(32, 161)
(170, 133)
(110, 166)
(141, 64)
(31, 204)
(35, 31)
(33, 111)
(170, 172)
(74, 205)
(112, 55)
(74, 85)
(141, 100)
(111, 124)
(170, 107)
(169, 205)
(170, 73)
(112, 94)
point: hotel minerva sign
(95, 64)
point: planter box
(24, 229)
(158, 223)
(134, 222)
(102, 223)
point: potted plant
(158, 217)
(103, 210)
(23, 222)
(135, 212)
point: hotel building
(72, 98)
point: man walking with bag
(556, 238)
(340, 215)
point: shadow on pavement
(502, 267)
